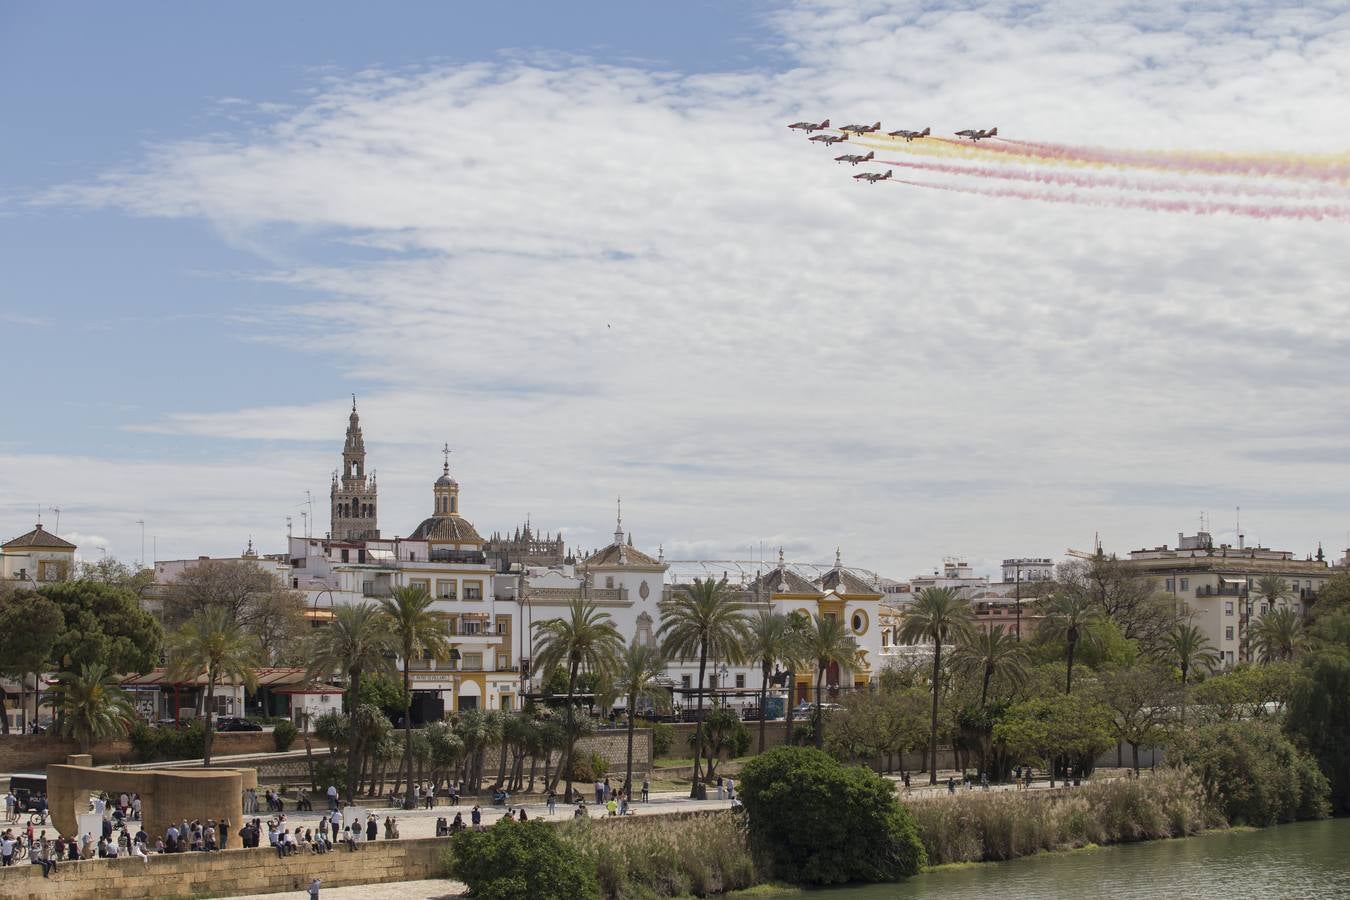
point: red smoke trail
(1196, 207)
(1109, 181)
(1292, 166)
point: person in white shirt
(332, 797)
(7, 850)
(10, 802)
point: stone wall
(34, 752)
(224, 874)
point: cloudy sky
(577, 243)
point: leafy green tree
(700, 619)
(213, 644)
(1333, 596)
(29, 627)
(820, 822)
(1046, 729)
(583, 640)
(111, 571)
(1187, 648)
(767, 643)
(1244, 692)
(827, 643)
(514, 860)
(1318, 716)
(987, 654)
(355, 641)
(103, 624)
(1069, 617)
(1278, 634)
(90, 705)
(942, 616)
(637, 677)
(417, 632)
(1140, 699)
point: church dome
(447, 530)
(446, 481)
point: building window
(345, 555)
(421, 584)
(468, 627)
(859, 622)
(609, 581)
(1185, 584)
(686, 681)
(1228, 633)
(472, 662)
(473, 590)
(1171, 586)
(1228, 607)
(445, 588)
(1228, 657)
(503, 664)
(740, 680)
(503, 625)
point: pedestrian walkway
(393, 890)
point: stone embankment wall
(223, 874)
(34, 752)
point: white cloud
(603, 279)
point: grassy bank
(660, 857)
(978, 827)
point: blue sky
(575, 241)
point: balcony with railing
(377, 589)
(1222, 590)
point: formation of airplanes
(855, 158)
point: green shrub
(1252, 774)
(151, 744)
(642, 857)
(724, 734)
(599, 765)
(663, 738)
(816, 821)
(330, 771)
(512, 860)
(582, 771)
(283, 735)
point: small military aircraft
(855, 158)
(862, 129)
(910, 135)
(872, 177)
(976, 134)
(809, 127)
(828, 139)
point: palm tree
(793, 658)
(767, 643)
(1279, 634)
(1070, 617)
(355, 641)
(1187, 648)
(213, 643)
(636, 676)
(90, 705)
(1274, 590)
(989, 654)
(416, 631)
(584, 640)
(702, 618)
(940, 615)
(828, 643)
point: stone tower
(353, 493)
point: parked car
(234, 723)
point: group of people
(13, 807)
(39, 850)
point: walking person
(552, 803)
(314, 889)
(646, 789)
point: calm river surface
(1309, 859)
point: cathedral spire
(352, 495)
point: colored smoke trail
(1117, 182)
(1196, 207)
(1316, 168)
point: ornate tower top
(352, 496)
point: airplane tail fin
(876, 127)
(993, 131)
(887, 175)
(825, 124)
(926, 132)
(870, 155)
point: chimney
(1242, 539)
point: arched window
(644, 630)
(452, 505)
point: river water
(1305, 860)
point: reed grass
(642, 858)
(976, 827)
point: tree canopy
(102, 624)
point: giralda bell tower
(353, 493)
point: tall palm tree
(1274, 590)
(355, 641)
(989, 654)
(1187, 648)
(827, 643)
(702, 618)
(940, 615)
(768, 643)
(636, 677)
(1279, 634)
(1070, 617)
(416, 631)
(90, 705)
(583, 640)
(213, 643)
(793, 659)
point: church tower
(353, 494)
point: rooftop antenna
(304, 518)
(57, 510)
(288, 531)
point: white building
(36, 557)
